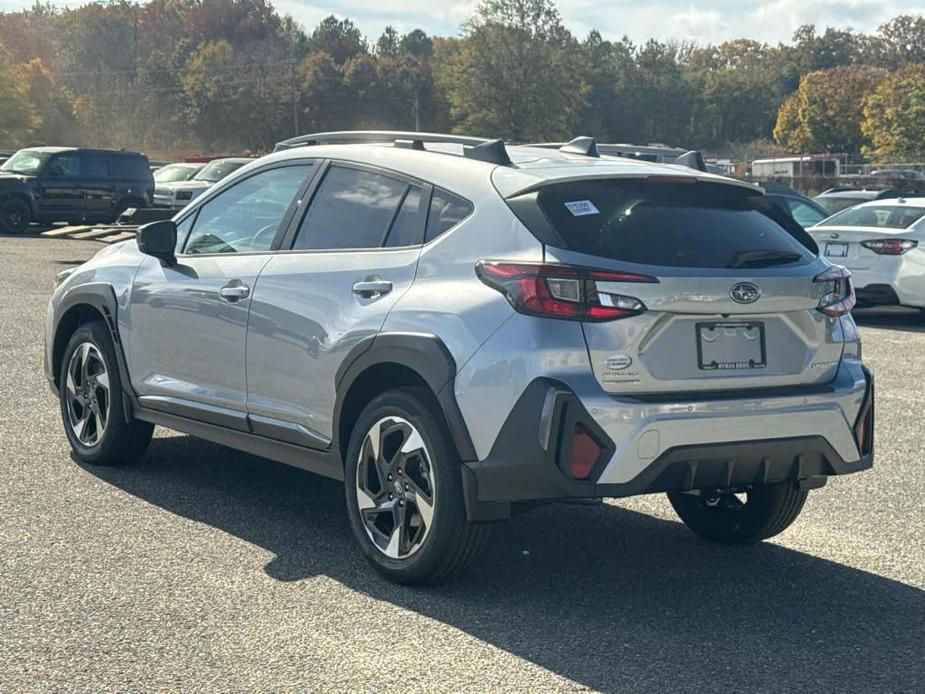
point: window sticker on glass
(579, 208)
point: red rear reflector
(584, 453)
(864, 429)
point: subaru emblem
(744, 293)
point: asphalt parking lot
(200, 568)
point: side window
(93, 166)
(446, 211)
(245, 217)
(406, 227)
(351, 209)
(64, 166)
(805, 215)
(116, 167)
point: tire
(767, 511)
(15, 216)
(92, 414)
(412, 526)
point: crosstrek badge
(579, 208)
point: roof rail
(692, 160)
(583, 145)
(361, 136)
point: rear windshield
(886, 216)
(703, 225)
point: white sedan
(882, 243)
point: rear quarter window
(700, 224)
(446, 211)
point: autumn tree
(737, 92)
(894, 117)
(518, 73)
(828, 110)
(339, 38)
(19, 118)
(57, 121)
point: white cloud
(706, 21)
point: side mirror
(158, 239)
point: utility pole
(293, 86)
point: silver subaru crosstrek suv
(461, 329)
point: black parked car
(805, 211)
(67, 184)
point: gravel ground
(200, 568)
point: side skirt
(326, 463)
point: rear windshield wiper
(762, 258)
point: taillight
(839, 296)
(561, 291)
(890, 246)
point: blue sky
(707, 21)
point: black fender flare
(423, 353)
(25, 196)
(102, 297)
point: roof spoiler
(692, 160)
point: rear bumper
(876, 295)
(739, 444)
(892, 280)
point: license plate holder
(836, 250)
(725, 346)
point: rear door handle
(234, 291)
(372, 287)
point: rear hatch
(726, 283)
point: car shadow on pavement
(908, 320)
(609, 598)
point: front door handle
(235, 290)
(372, 287)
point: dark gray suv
(67, 184)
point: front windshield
(174, 172)
(217, 170)
(25, 162)
(884, 216)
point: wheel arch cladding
(382, 362)
(21, 196)
(90, 302)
